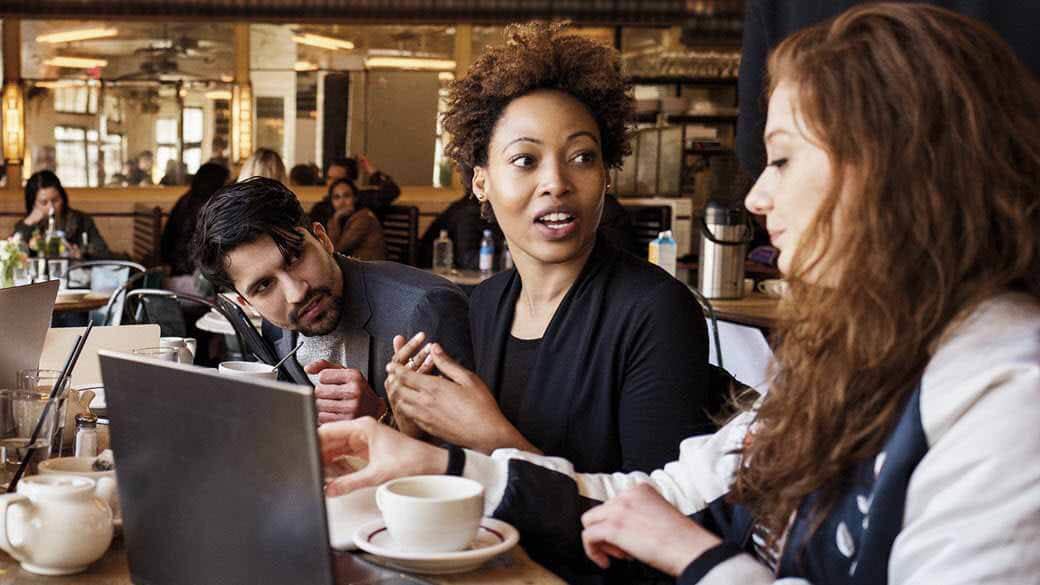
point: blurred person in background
(380, 192)
(140, 172)
(354, 231)
(303, 175)
(175, 245)
(44, 193)
(264, 163)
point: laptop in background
(220, 479)
(25, 316)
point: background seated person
(43, 192)
(175, 245)
(583, 351)
(264, 163)
(897, 443)
(354, 231)
(380, 192)
(254, 238)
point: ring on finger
(411, 363)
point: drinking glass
(22, 276)
(57, 269)
(42, 382)
(20, 412)
(38, 267)
(166, 354)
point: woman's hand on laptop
(389, 453)
(342, 393)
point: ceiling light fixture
(410, 63)
(71, 36)
(322, 42)
(305, 66)
(76, 62)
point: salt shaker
(86, 435)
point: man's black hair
(240, 214)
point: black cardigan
(620, 378)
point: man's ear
(479, 183)
(323, 237)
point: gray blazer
(383, 299)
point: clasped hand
(342, 393)
(455, 406)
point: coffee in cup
(431, 513)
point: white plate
(494, 538)
(348, 513)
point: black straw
(70, 363)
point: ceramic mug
(185, 347)
(773, 287)
(431, 513)
(105, 481)
(252, 369)
(62, 528)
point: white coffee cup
(431, 513)
(252, 369)
(185, 347)
(105, 481)
(773, 287)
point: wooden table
(512, 568)
(87, 303)
(757, 310)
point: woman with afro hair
(582, 351)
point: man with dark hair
(380, 192)
(253, 238)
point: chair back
(102, 275)
(112, 314)
(646, 222)
(147, 233)
(401, 233)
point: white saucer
(348, 513)
(494, 538)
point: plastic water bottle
(662, 251)
(443, 254)
(487, 253)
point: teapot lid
(55, 485)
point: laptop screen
(219, 477)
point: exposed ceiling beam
(606, 12)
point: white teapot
(55, 524)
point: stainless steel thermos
(725, 234)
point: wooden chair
(401, 233)
(147, 234)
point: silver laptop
(220, 479)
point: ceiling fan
(160, 61)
